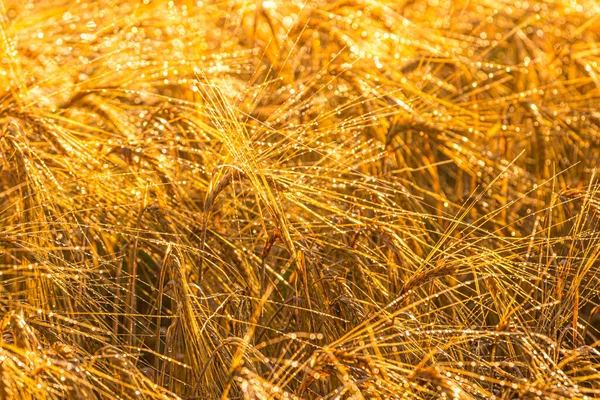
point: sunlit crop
(299, 199)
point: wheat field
(300, 199)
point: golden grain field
(300, 199)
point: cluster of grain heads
(50, 356)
